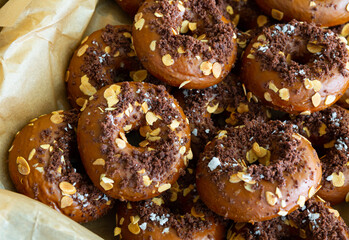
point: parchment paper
(34, 53)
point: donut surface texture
(185, 44)
(257, 172)
(297, 67)
(126, 170)
(44, 164)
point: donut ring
(130, 6)
(315, 220)
(326, 13)
(133, 172)
(217, 107)
(287, 70)
(40, 165)
(238, 188)
(176, 214)
(328, 131)
(104, 57)
(185, 48)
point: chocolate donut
(328, 132)
(326, 13)
(186, 44)
(104, 57)
(44, 164)
(126, 170)
(296, 67)
(217, 107)
(315, 220)
(176, 214)
(257, 172)
(130, 6)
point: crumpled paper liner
(35, 49)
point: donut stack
(204, 120)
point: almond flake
(31, 154)
(276, 14)
(67, 188)
(147, 181)
(284, 94)
(212, 109)
(158, 15)
(347, 197)
(217, 69)
(120, 143)
(262, 20)
(192, 26)
(82, 50)
(248, 187)
(158, 201)
(117, 231)
(152, 45)
(311, 192)
(316, 99)
(271, 198)
(174, 125)
(86, 87)
(234, 179)
(56, 118)
(267, 97)
(140, 75)
(273, 87)
(301, 201)
(150, 118)
(317, 85)
(99, 162)
(22, 166)
(206, 68)
(334, 212)
(314, 48)
(66, 201)
(338, 179)
(282, 212)
(45, 146)
(164, 187)
(250, 56)
(134, 228)
(139, 24)
(330, 99)
(184, 83)
(230, 9)
(278, 192)
(167, 60)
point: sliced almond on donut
(301, 201)
(347, 7)
(317, 85)
(250, 56)
(196, 214)
(282, 213)
(66, 201)
(242, 108)
(312, 4)
(182, 150)
(311, 192)
(217, 70)
(158, 201)
(338, 179)
(82, 50)
(273, 87)
(67, 188)
(322, 129)
(261, 38)
(139, 24)
(308, 84)
(271, 198)
(117, 231)
(31, 154)
(234, 178)
(248, 187)
(345, 30)
(347, 197)
(140, 75)
(206, 68)
(167, 60)
(334, 212)
(284, 94)
(262, 20)
(56, 118)
(86, 87)
(267, 97)
(212, 109)
(314, 48)
(229, 9)
(134, 228)
(67, 75)
(164, 187)
(184, 83)
(22, 166)
(147, 181)
(316, 99)
(99, 162)
(276, 14)
(106, 183)
(45, 146)
(330, 99)
(120, 143)
(174, 125)
(251, 157)
(278, 192)
(192, 26)
(150, 118)
(152, 45)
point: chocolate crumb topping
(328, 131)
(293, 39)
(230, 107)
(315, 220)
(230, 152)
(217, 34)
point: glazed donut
(217, 107)
(296, 67)
(104, 57)
(328, 131)
(130, 6)
(245, 14)
(326, 13)
(315, 220)
(257, 172)
(133, 171)
(186, 44)
(44, 165)
(176, 214)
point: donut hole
(298, 53)
(219, 120)
(134, 137)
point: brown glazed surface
(157, 40)
(104, 57)
(299, 99)
(133, 172)
(327, 13)
(130, 6)
(245, 199)
(328, 132)
(314, 220)
(41, 159)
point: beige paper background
(34, 54)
